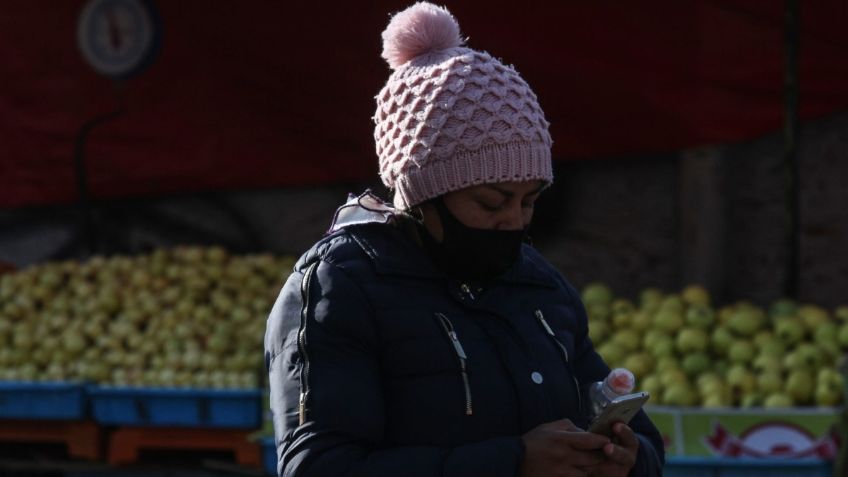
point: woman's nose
(513, 219)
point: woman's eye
(489, 207)
(528, 206)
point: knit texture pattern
(453, 118)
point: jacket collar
(383, 234)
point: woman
(425, 338)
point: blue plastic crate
(269, 455)
(724, 467)
(176, 407)
(30, 400)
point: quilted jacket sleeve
(321, 354)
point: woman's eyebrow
(509, 194)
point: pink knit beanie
(450, 117)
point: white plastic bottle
(619, 382)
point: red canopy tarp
(268, 94)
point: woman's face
(500, 206)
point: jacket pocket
(540, 317)
(301, 340)
(447, 326)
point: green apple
(842, 336)
(627, 339)
(650, 299)
(720, 340)
(641, 321)
(664, 346)
(622, 320)
(695, 295)
(706, 378)
(799, 386)
(770, 382)
(668, 320)
(652, 385)
(768, 362)
(771, 346)
(672, 303)
(651, 337)
(598, 331)
(813, 316)
(841, 313)
(826, 333)
(714, 401)
(750, 400)
(700, 316)
(596, 292)
(746, 321)
(741, 380)
(810, 354)
(827, 395)
(679, 394)
(741, 351)
(622, 305)
(668, 363)
(696, 363)
(790, 330)
(692, 340)
(640, 364)
(612, 353)
(778, 400)
(596, 311)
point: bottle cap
(621, 381)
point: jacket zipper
(301, 340)
(467, 290)
(460, 353)
(550, 332)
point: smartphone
(620, 409)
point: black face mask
(466, 252)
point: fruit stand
(117, 356)
(734, 389)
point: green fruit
(741, 381)
(679, 394)
(826, 333)
(799, 386)
(640, 364)
(652, 385)
(700, 316)
(692, 340)
(672, 303)
(622, 320)
(696, 363)
(651, 337)
(611, 353)
(741, 351)
(746, 321)
(753, 399)
(714, 401)
(842, 337)
(768, 362)
(841, 313)
(641, 321)
(622, 306)
(596, 293)
(769, 382)
(696, 295)
(650, 299)
(628, 340)
(598, 331)
(668, 320)
(720, 340)
(790, 331)
(777, 400)
(813, 316)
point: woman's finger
(626, 436)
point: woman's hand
(560, 448)
(620, 455)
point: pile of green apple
(685, 352)
(183, 317)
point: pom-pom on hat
(450, 117)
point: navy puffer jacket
(380, 365)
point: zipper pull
(457, 346)
(544, 322)
(302, 408)
(467, 290)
